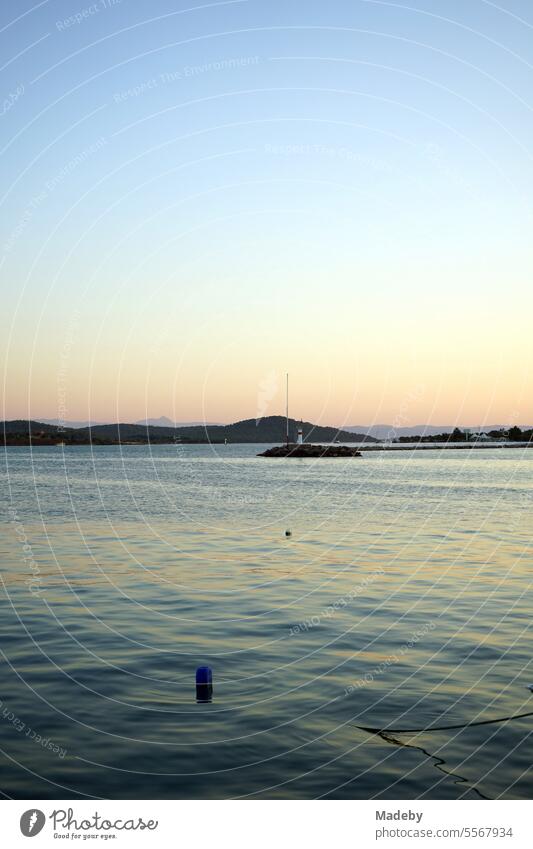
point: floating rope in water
(442, 727)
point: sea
(367, 622)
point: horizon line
(202, 423)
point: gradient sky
(197, 198)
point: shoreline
(312, 448)
(457, 446)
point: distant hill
(70, 424)
(22, 426)
(270, 429)
(163, 421)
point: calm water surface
(402, 599)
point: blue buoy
(204, 684)
(204, 675)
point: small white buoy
(529, 687)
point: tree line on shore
(512, 434)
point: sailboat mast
(287, 410)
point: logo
(32, 822)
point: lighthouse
(300, 437)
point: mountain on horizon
(164, 421)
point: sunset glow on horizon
(223, 195)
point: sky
(197, 198)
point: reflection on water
(401, 598)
